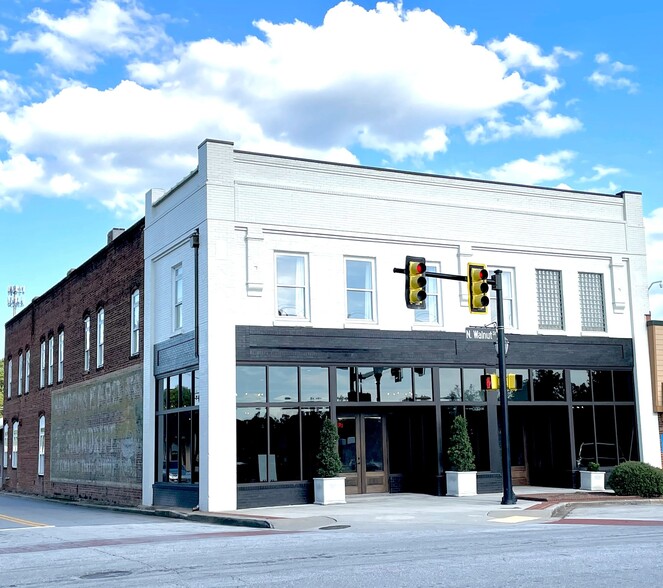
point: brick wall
(105, 280)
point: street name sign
(480, 334)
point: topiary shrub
(635, 478)
(592, 466)
(461, 454)
(329, 463)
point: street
(97, 547)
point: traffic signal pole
(508, 497)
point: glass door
(362, 441)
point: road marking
(23, 521)
(27, 528)
(623, 522)
(514, 519)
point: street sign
(481, 334)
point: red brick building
(73, 381)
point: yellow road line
(22, 521)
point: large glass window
(592, 301)
(477, 427)
(251, 383)
(602, 385)
(431, 314)
(135, 322)
(314, 384)
(251, 443)
(508, 298)
(291, 285)
(283, 463)
(450, 384)
(311, 426)
(360, 291)
(549, 299)
(549, 385)
(42, 445)
(423, 383)
(472, 391)
(282, 384)
(581, 390)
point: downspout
(195, 243)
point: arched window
(100, 337)
(15, 445)
(42, 445)
(135, 322)
(5, 445)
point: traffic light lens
(483, 274)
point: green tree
(329, 463)
(461, 454)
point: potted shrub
(592, 478)
(462, 478)
(329, 487)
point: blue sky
(101, 100)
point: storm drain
(102, 575)
(333, 527)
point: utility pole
(15, 297)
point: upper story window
(5, 445)
(549, 299)
(42, 364)
(51, 359)
(15, 445)
(135, 322)
(60, 356)
(431, 314)
(508, 298)
(86, 344)
(592, 302)
(178, 291)
(27, 371)
(100, 337)
(291, 285)
(42, 445)
(20, 373)
(9, 377)
(360, 290)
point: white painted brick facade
(249, 206)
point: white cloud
(18, 174)
(601, 172)
(606, 74)
(386, 79)
(518, 53)
(78, 41)
(544, 168)
(540, 124)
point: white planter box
(461, 483)
(592, 480)
(329, 490)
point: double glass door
(362, 442)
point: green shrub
(329, 463)
(635, 478)
(461, 454)
(592, 466)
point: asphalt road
(605, 546)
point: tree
(329, 463)
(461, 454)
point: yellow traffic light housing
(477, 288)
(415, 282)
(490, 382)
(514, 381)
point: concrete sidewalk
(534, 504)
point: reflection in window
(423, 383)
(291, 285)
(396, 385)
(602, 385)
(472, 391)
(626, 433)
(283, 463)
(282, 384)
(314, 384)
(347, 443)
(359, 289)
(450, 384)
(251, 443)
(549, 385)
(623, 384)
(251, 383)
(311, 426)
(581, 390)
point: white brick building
(289, 308)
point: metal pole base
(509, 498)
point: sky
(101, 100)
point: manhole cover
(333, 527)
(101, 575)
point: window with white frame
(27, 371)
(15, 445)
(51, 359)
(430, 314)
(42, 445)
(592, 301)
(5, 445)
(100, 337)
(178, 295)
(507, 298)
(42, 364)
(135, 322)
(9, 377)
(60, 356)
(86, 344)
(291, 285)
(20, 373)
(360, 290)
(549, 299)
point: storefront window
(549, 385)
(252, 460)
(450, 384)
(284, 444)
(314, 384)
(472, 391)
(602, 386)
(251, 383)
(581, 390)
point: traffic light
(477, 288)
(514, 381)
(490, 382)
(415, 282)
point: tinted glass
(251, 384)
(472, 391)
(311, 426)
(282, 384)
(251, 445)
(396, 385)
(314, 384)
(602, 386)
(549, 385)
(450, 384)
(623, 386)
(423, 383)
(283, 462)
(583, 429)
(581, 390)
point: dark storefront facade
(394, 396)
